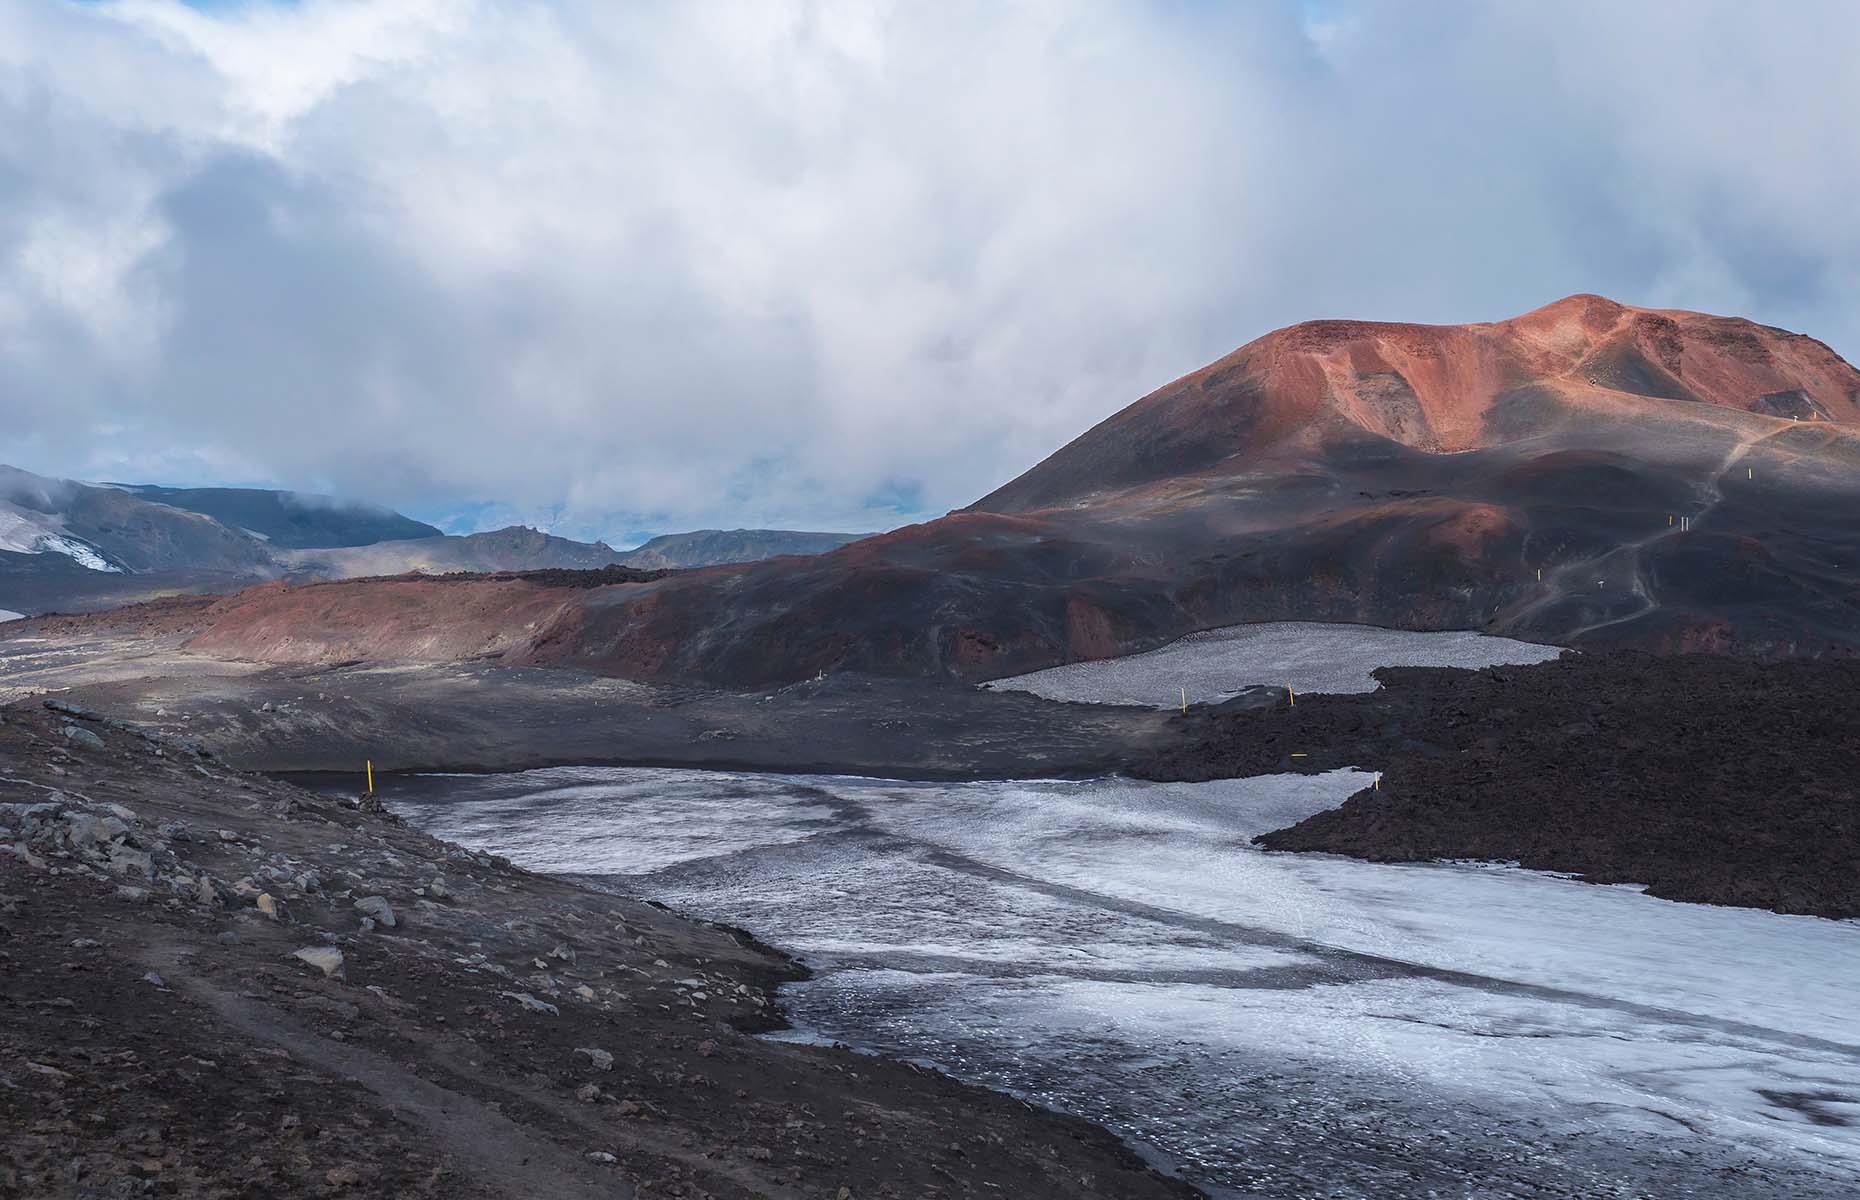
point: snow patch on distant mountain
(84, 555)
(7, 614)
(24, 535)
(17, 533)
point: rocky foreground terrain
(218, 985)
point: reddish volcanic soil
(1583, 362)
(1588, 474)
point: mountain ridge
(1586, 474)
(291, 520)
(71, 545)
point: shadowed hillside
(288, 520)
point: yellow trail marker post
(1184, 700)
(1750, 472)
(1291, 697)
(1378, 781)
(371, 776)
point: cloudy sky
(628, 267)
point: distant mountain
(516, 548)
(711, 547)
(519, 548)
(1589, 474)
(78, 547)
(288, 520)
(109, 530)
(66, 545)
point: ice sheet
(1274, 1024)
(1305, 656)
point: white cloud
(752, 263)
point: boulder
(213, 892)
(19, 851)
(326, 959)
(377, 908)
(532, 1004)
(125, 861)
